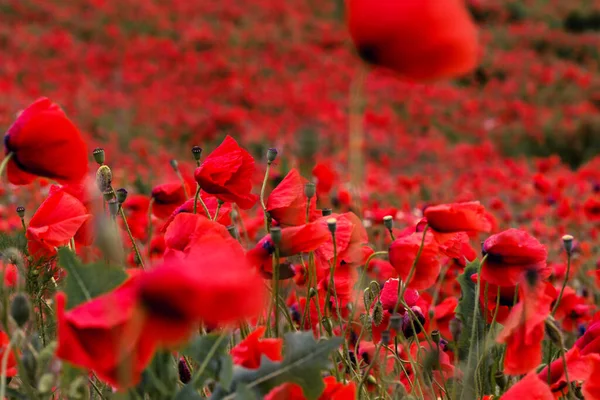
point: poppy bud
(21, 211)
(375, 288)
(568, 243)
(326, 212)
(232, 231)
(276, 235)
(396, 322)
(332, 225)
(386, 337)
(20, 309)
(174, 164)
(326, 323)
(377, 314)
(312, 292)
(184, 372)
(455, 326)
(271, 155)
(113, 207)
(368, 298)
(309, 190)
(197, 152)
(388, 222)
(553, 331)
(98, 154)
(435, 336)
(104, 178)
(121, 195)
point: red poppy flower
(572, 310)
(57, 220)
(44, 142)
(531, 387)
(11, 365)
(523, 331)
(190, 230)
(589, 343)
(249, 351)
(510, 254)
(350, 237)
(334, 390)
(458, 217)
(227, 174)
(325, 178)
(86, 233)
(505, 303)
(167, 197)
(389, 297)
(215, 286)
(10, 273)
(591, 209)
(578, 368)
(420, 40)
(443, 314)
(403, 253)
(287, 202)
(106, 335)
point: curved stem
(219, 204)
(564, 285)
(5, 163)
(198, 198)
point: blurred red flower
(45, 143)
(531, 387)
(249, 351)
(11, 365)
(420, 40)
(403, 253)
(334, 390)
(227, 174)
(287, 202)
(510, 254)
(57, 220)
(106, 335)
(167, 197)
(458, 217)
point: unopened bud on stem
(98, 154)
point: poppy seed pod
(396, 322)
(174, 164)
(20, 309)
(21, 211)
(271, 155)
(388, 222)
(104, 178)
(568, 243)
(99, 155)
(386, 337)
(276, 236)
(197, 152)
(332, 225)
(121, 195)
(326, 212)
(420, 40)
(309, 190)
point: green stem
(219, 204)
(5, 162)
(262, 199)
(564, 285)
(185, 188)
(276, 289)
(135, 247)
(207, 360)
(198, 198)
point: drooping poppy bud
(421, 40)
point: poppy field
(334, 200)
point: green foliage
(303, 361)
(212, 347)
(464, 311)
(84, 282)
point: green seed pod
(197, 153)
(388, 222)
(271, 155)
(21, 211)
(99, 155)
(332, 225)
(276, 235)
(309, 190)
(121, 195)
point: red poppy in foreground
(249, 351)
(334, 390)
(403, 254)
(509, 254)
(523, 331)
(216, 286)
(458, 217)
(106, 335)
(44, 142)
(531, 387)
(57, 220)
(420, 40)
(167, 197)
(287, 202)
(227, 174)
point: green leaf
(243, 393)
(84, 282)
(303, 362)
(226, 371)
(199, 349)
